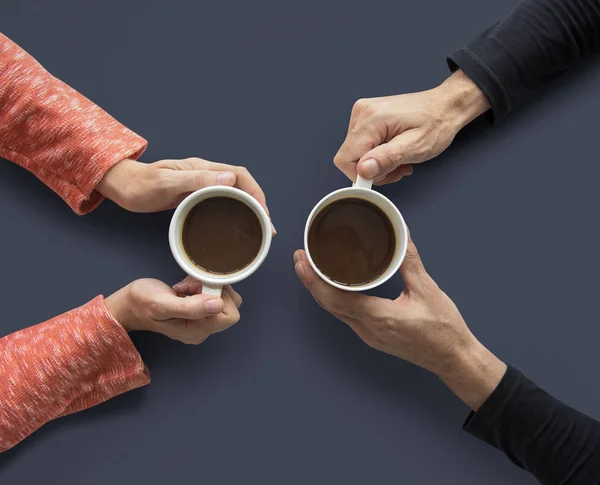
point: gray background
(506, 222)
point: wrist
(119, 307)
(115, 183)
(473, 374)
(462, 99)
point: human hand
(422, 326)
(388, 134)
(152, 187)
(180, 313)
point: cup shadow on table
(387, 375)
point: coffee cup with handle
(212, 283)
(362, 189)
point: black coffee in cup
(222, 235)
(351, 241)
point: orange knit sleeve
(50, 129)
(72, 362)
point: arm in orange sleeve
(59, 135)
(69, 363)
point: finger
(230, 316)
(247, 183)
(230, 308)
(244, 179)
(192, 180)
(183, 330)
(350, 304)
(235, 296)
(360, 140)
(360, 110)
(412, 270)
(191, 286)
(359, 327)
(395, 175)
(384, 158)
(168, 306)
(355, 114)
(188, 286)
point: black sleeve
(538, 41)
(554, 442)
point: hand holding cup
(180, 313)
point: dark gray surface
(506, 221)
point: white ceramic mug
(362, 189)
(212, 284)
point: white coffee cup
(212, 284)
(361, 189)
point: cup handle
(362, 183)
(211, 290)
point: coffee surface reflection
(351, 241)
(222, 235)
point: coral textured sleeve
(72, 362)
(50, 129)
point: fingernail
(370, 168)
(300, 270)
(296, 256)
(213, 306)
(226, 178)
(273, 228)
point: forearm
(474, 374)
(56, 133)
(69, 363)
(539, 40)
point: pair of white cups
(213, 283)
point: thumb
(358, 141)
(193, 307)
(384, 158)
(191, 180)
(412, 270)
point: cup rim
(390, 271)
(191, 269)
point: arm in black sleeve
(538, 41)
(554, 442)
